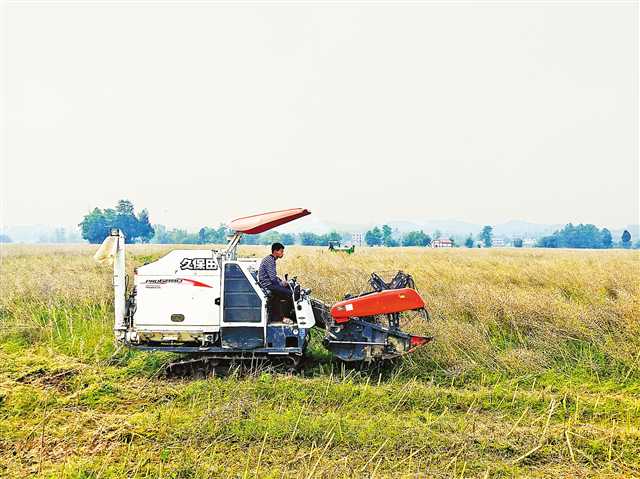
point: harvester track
(222, 366)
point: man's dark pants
(279, 293)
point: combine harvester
(208, 304)
(336, 246)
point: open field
(535, 372)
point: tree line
(583, 236)
(383, 236)
(97, 224)
(221, 234)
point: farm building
(442, 243)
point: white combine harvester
(208, 303)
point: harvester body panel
(197, 300)
(176, 294)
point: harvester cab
(208, 303)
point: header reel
(366, 327)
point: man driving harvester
(279, 289)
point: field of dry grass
(535, 372)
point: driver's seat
(272, 315)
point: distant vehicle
(336, 246)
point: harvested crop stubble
(535, 371)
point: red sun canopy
(255, 224)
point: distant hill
(446, 227)
(42, 234)
(524, 229)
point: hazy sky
(204, 111)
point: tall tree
(207, 235)
(270, 237)
(548, 242)
(469, 242)
(386, 233)
(125, 207)
(222, 233)
(126, 220)
(373, 237)
(309, 239)
(287, 239)
(626, 239)
(333, 237)
(160, 234)
(144, 230)
(387, 238)
(250, 239)
(416, 238)
(94, 226)
(580, 236)
(202, 235)
(487, 236)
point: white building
(357, 239)
(442, 243)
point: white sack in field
(107, 250)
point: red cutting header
(383, 302)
